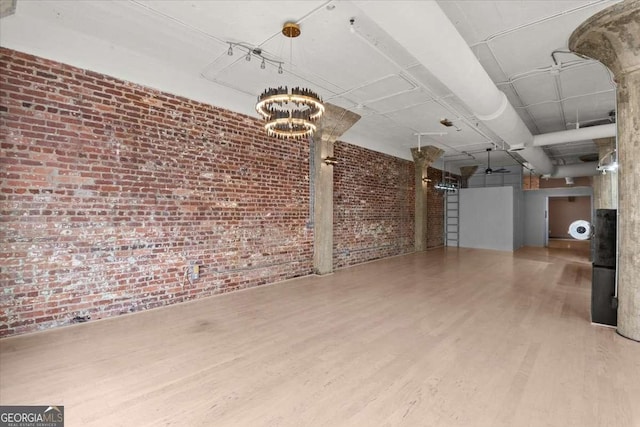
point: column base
(624, 336)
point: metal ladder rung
(452, 220)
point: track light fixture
(249, 52)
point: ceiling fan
(488, 170)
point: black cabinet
(604, 308)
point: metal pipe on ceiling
(573, 135)
(426, 32)
(574, 171)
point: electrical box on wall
(194, 270)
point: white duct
(426, 32)
(572, 135)
(574, 171)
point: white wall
(487, 218)
(512, 178)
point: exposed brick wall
(109, 189)
(435, 210)
(532, 182)
(373, 205)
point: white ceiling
(181, 47)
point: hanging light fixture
(446, 185)
(290, 114)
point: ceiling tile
(431, 83)
(589, 108)
(590, 78)
(248, 77)
(421, 118)
(221, 17)
(400, 101)
(383, 88)
(547, 116)
(530, 47)
(536, 88)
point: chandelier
(290, 113)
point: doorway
(563, 210)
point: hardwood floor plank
(448, 337)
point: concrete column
(422, 159)
(605, 187)
(465, 174)
(335, 122)
(613, 37)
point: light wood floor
(577, 245)
(441, 338)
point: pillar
(334, 122)
(612, 36)
(422, 159)
(605, 186)
(465, 174)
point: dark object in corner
(604, 257)
(81, 319)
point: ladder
(452, 219)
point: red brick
(112, 188)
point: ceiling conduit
(426, 32)
(574, 171)
(572, 135)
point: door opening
(562, 211)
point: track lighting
(250, 51)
